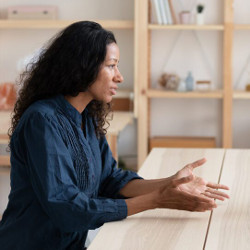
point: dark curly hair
(67, 65)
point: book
(168, 12)
(153, 15)
(163, 11)
(172, 11)
(156, 6)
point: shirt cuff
(122, 208)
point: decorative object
(7, 96)
(248, 87)
(32, 12)
(203, 85)
(185, 17)
(200, 14)
(182, 86)
(169, 81)
(189, 82)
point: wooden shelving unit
(58, 24)
(143, 32)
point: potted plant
(200, 14)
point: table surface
(227, 227)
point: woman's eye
(112, 66)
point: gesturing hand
(198, 186)
(172, 197)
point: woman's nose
(118, 77)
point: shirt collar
(69, 110)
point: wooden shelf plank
(242, 26)
(185, 27)
(155, 93)
(58, 24)
(237, 94)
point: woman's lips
(113, 91)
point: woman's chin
(109, 99)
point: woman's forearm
(141, 203)
(169, 197)
(139, 187)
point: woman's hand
(172, 196)
(198, 186)
(183, 191)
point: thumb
(183, 180)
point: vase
(199, 18)
(185, 17)
(189, 82)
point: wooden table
(227, 227)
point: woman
(64, 180)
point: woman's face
(109, 76)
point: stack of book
(162, 12)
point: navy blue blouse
(63, 182)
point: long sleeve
(113, 178)
(54, 181)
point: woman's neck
(80, 101)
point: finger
(194, 203)
(203, 206)
(199, 208)
(206, 206)
(213, 191)
(193, 207)
(199, 199)
(183, 180)
(214, 196)
(197, 163)
(217, 186)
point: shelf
(242, 26)
(237, 94)
(185, 27)
(58, 24)
(155, 93)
